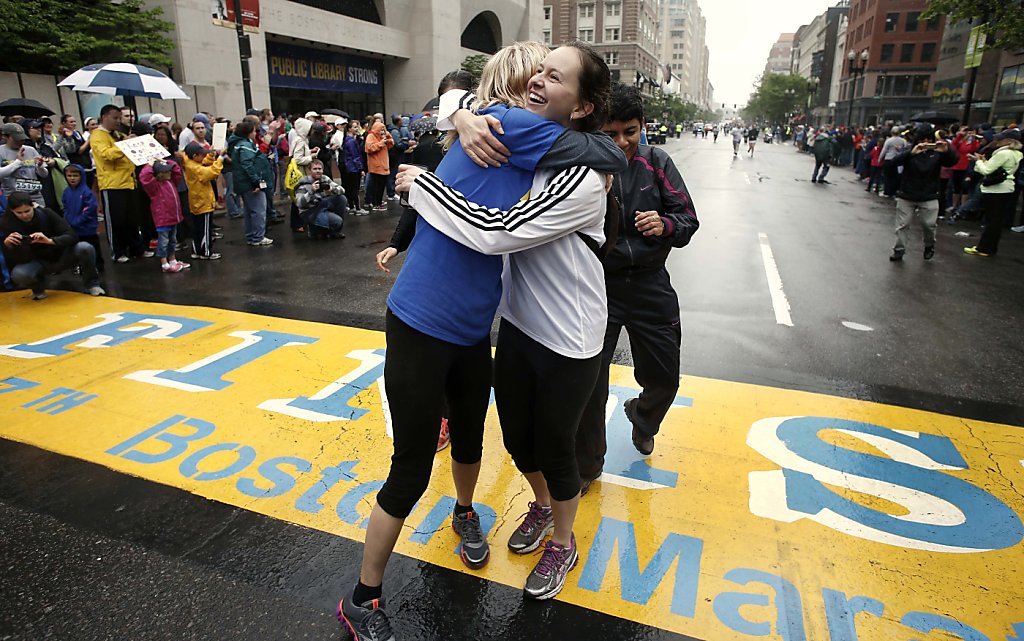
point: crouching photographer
(322, 206)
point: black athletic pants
(541, 395)
(122, 223)
(375, 191)
(350, 181)
(420, 371)
(647, 306)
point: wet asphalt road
(78, 564)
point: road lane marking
(779, 301)
(860, 327)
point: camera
(324, 183)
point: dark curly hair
(595, 85)
(626, 103)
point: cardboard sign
(142, 150)
(220, 134)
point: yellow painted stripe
(717, 498)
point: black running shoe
(643, 443)
(929, 252)
(366, 622)
(896, 256)
(474, 551)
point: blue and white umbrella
(124, 79)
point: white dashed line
(779, 301)
(857, 326)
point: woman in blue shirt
(439, 318)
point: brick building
(625, 32)
(902, 56)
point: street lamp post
(856, 70)
(881, 100)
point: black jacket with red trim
(651, 182)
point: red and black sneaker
(474, 551)
(366, 622)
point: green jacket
(825, 147)
(249, 166)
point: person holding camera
(919, 187)
(998, 188)
(322, 205)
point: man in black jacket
(919, 188)
(657, 214)
(37, 241)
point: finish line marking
(732, 530)
(779, 300)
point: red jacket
(963, 148)
(164, 202)
(876, 156)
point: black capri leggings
(420, 372)
(958, 180)
(541, 396)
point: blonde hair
(505, 77)
(507, 73)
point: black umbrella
(935, 117)
(334, 112)
(24, 107)
(432, 104)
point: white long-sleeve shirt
(553, 284)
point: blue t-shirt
(445, 289)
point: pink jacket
(164, 202)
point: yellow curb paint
(748, 520)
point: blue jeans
(166, 239)
(234, 210)
(255, 215)
(328, 217)
(33, 274)
(5, 276)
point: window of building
(920, 86)
(869, 26)
(547, 13)
(907, 52)
(860, 33)
(547, 36)
(891, 21)
(912, 20)
(586, 11)
(611, 35)
(1012, 81)
(676, 34)
(611, 58)
(928, 52)
(880, 85)
(613, 8)
(932, 25)
(358, 9)
(586, 35)
(887, 51)
(900, 85)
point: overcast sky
(740, 34)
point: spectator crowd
(80, 184)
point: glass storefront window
(1012, 81)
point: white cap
(312, 114)
(158, 119)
